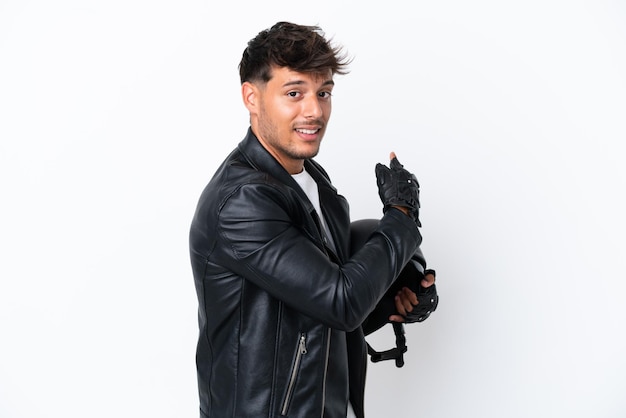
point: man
(281, 299)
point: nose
(312, 108)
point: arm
(260, 239)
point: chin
(310, 153)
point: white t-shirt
(350, 411)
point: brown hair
(300, 48)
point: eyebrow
(330, 82)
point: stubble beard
(271, 135)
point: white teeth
(307, 131)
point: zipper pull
(302, 345)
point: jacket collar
(259, 158)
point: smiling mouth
(308, 131)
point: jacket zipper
(294, 372)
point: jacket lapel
(334, 207)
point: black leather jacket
(279, 314)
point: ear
(250, 96)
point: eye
(325, 94)
(293, 94)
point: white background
(114, 115)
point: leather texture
(279, 313)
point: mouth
(308, 131)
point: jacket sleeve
(262, 240)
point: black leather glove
(428, 300)
(398, 187)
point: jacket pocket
(300, 352)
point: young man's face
(289, 114)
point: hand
(407, 301)
(398, 188)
